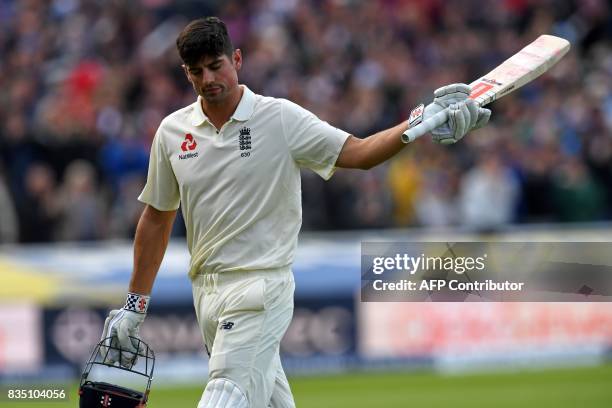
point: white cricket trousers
(243, 316)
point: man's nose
(208, 76)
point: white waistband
(223, 278)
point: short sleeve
(161, 190)
(313, 143)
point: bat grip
(425, 126)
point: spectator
(8, 217)
(38, 211)
(436, 206)
(85, 80)
(578, 197)
(537, 184)
(405, 179)
(81, 209)
(488, 194)
(126, 211)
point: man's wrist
(136, 302)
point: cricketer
(232, 161)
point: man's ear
(237, 59)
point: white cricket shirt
(239, 189)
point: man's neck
(220, 113)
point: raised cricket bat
(523, 67)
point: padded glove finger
(110, 355)
(484, 115)
(457, 115)
(127, 334)
(126, 329)
(453, 91)
(472, 112)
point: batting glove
(464, 116)
(121, 330)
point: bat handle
(425, 126)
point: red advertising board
(408, 329)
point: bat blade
(523, 67)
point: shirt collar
(197, 114)
(243, 112)
(245, 107)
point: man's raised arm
(371, 151)
(463, 116)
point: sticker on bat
(479, 89)
(491, 81)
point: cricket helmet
(99, 394)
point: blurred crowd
(85, 83)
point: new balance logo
(227, 325)
(244, 139)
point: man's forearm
(373, 150)
(383, 145)
(150, 242)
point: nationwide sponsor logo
(189, 143)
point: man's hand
(464, 115)
(121, 330)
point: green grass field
(560, 388)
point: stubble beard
(216, 98)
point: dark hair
(204, 37)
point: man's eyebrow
(215, 61)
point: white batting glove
(122, 324)
(464, 116)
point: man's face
(213, 78)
